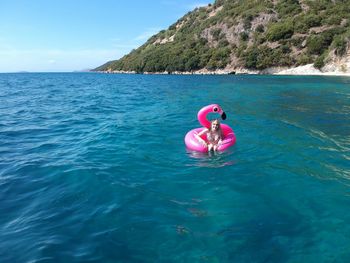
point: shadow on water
(268, 235)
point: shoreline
(332, 69)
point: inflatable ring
(229, 137)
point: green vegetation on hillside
(251, 34)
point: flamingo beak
(223, 116)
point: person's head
(215, 125)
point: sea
(93, 168)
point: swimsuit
(213, 137)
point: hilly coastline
(235, 36)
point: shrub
(223, 43)
(263, 57)
(297, 41)
(339, 44)
(312, 20)
(303, 22)
(247, 21)
(260, 28)
(288, 8)
(251, 57)
(300, 27)
(304, 59)
(192, 63)
(203, 15)
(317, 44)
(219, 58)
(240, 51)
(244, 36)
(285, 49)
(333, 20)
(260, 39)
(319, 62)
(215, 32)
(280, 31)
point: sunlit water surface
(93, 168)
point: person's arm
(198, 137)
(221, 138)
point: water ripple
(93, 168)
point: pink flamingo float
(229, 137)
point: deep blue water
(93, 168)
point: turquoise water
(93, 168)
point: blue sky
(67, 35)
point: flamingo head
(217, 109)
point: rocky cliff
(248, 36)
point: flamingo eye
(215, 109)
